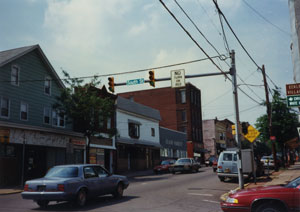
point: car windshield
(294, 183)
(183, 161)
(63, 172)
(165, 162)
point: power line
(128, 72)
(285, 32)
(247, 109)
(183, 28)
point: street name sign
(252, 134)
(292, 89)
(293, 101)
(177, 78)
(135, 81)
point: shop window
(4, 108)
(15, 74)
(24, 111)
(47, 86)
(134, 130)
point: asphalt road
(156, 193)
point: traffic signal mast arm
(187, 76)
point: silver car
(74, 183)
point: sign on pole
(135, 81)
(293, 101)
(292, 89)
(252, 134)
(177, 78)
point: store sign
(4, 136)
(78, 142)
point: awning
(137, 142)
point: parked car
(74, 183)
(279, 198)
(185, 165)
(163, 167)
(269, 161)
(210, 160)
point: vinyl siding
(31, 92)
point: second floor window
(134, 130)
(183, 115)
(152, 132)
(47, 113)
(182, 96)
(47, 87)
(58, 119)
(4, 102)
(15, 72)
(24, 111)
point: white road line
(211, 201)
(197, 194)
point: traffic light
(111, 84)
(152, 78)
(245, 128)
(233, 129)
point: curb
(223, 197)
(10, 192)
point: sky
(107, 37)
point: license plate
(227, 170)
(41, 188)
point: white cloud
(137, 29)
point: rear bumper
(50, 196)
(221, 174)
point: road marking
(144, 183)
(211, 201)
(207, 195)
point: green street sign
(293, 101)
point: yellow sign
(252, 134)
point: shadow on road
(91, 204)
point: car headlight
(231, 200)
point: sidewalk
(275, 178)
(131, 175)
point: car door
(91, 180)
(105, 181)
(234, 168)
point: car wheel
(43, 203)
(214, 169)
(81, 198)
(269, 207)
(173, 172)
(222, 179)
(119, 191)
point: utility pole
(237, 119)
(269, 112)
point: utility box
(248, 164)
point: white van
(228, 164)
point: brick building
(180, 110)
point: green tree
(284, 122)
(86, 109)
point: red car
(278, 198)
(163, 167)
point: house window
(58, 119)
(15, 73)
(4, 107)
(182, 96)
(47, 86)
(47, 115)
(183, 129)
(134, 130)
(152, 132)
(24, 111)
(108, 124)
(183, 115)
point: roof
(134, 107)
(13, 54)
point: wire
(266, 18)
(141, 70)
(183, 28)
(217, 97)
(224, 35)
(247, 109)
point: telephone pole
(269, 113)
(237, 119)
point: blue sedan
(74, 183)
